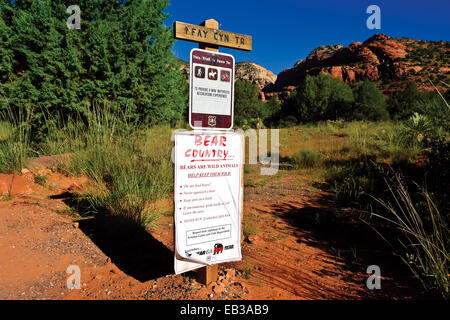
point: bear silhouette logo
(218, 248)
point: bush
(352, 179)
(288, 121)
(323, 98)
(41, 179)
(369, 104)
(133, 170)
(438, 174)
(416, 130)
(250, 228)
(404, 104)
(306, 159)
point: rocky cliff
(390, 61)
(255, 73)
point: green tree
(370, 103)
(120, 57)
(248, 108)
(318, 98)
(403, 103)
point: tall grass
(306, 158)
(130, 166)
(15, 141)
(427, 244)
(424, 227)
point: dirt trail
(39, 240)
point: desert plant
(6, 130)
(40, 179)
(132, 175)
(247, 271)
(129, 165)
(415, 129)
(426, 246)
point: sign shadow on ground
(129, 246)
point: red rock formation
(368, 60)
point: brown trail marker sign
(210, 38)
(211, 90)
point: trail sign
(211, 90)
(213, 114)
(203, 34)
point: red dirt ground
(39, 240)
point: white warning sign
(208, 198)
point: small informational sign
(211, 90)
(208, 198)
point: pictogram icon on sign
(199, 72)
(212, 74)
(225, 76)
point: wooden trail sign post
(210, 38)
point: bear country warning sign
(208, 198)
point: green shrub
(403, 103)
(438, 174)
(247, 271)
(322, 97)
(369, 104)
(40, 179)
(250, 228)
(130, 165)
(6, 130)
(352, 178)
(416, 129)
(306, 159)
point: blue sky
(284, 31)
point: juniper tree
(120, 56)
